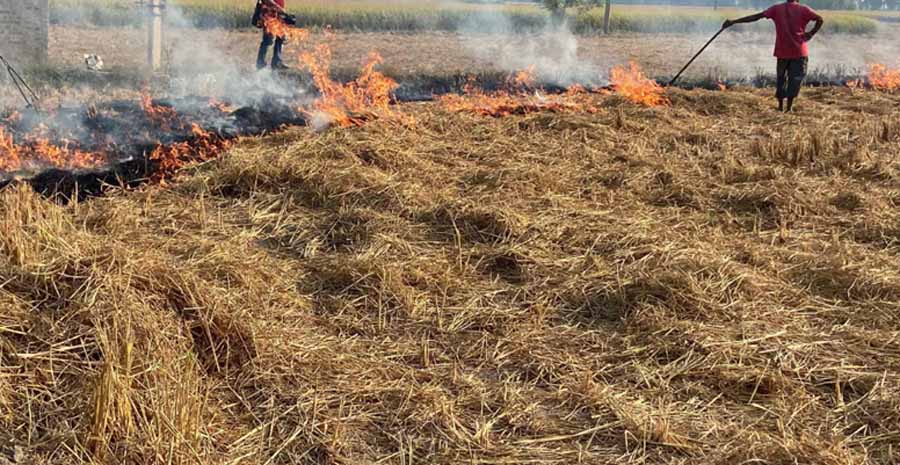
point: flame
(159, 114)
(10, 158)
(353, 103)
(278, 28)
(217, 104)
(524, 79)
(882, 78)
(519, 101)
(202, 147)
(38, 151)
(633, 85)
(43, 147)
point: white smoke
(204, 68)
(552, 52)
(561, 57)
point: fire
(278, 28)
(161, 115)
(524, 79)
(37, 152)
(217, 104)
(43, 146)
(518, 101)
(202, 147)
(882, 78)
(634, 86)
(353, 103)
(10, 158)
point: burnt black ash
(125, 135)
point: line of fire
(125, 142)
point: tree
(558, 8)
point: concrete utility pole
(155, 10)
(607, 8)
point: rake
(695, 57)
(31, 99)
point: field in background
(400, 15)
(711, 282)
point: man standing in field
(791, 19)
(270, 9)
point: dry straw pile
(710, 282)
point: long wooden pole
(695, 57)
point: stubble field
(704, 282)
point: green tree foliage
(560, 5)
(816, 4)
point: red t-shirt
(269, 12)
(790, 20)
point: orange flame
(519, 102)
(217, 104)
(204, 146)
(524, 79)
(278, 28)
(634, 86)
(353, 103)
(10, 158)
(37, 151)
(882, 78)
(161, 115)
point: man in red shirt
(791, 19)
(270, 9)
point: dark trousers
(791, 73)
(268, 40)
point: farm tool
(672, 82)
(31, 99)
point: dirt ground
(733, 55)
(198, 57)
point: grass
(710, 282)
(400, 15)
(690, 19)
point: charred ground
(710, 282)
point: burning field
(701, 281)
(504, 275)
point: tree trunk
(606, 11)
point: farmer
(791, 19)
(269, 9)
